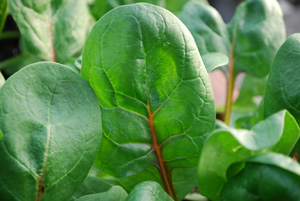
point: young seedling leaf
(154, 91)
(51, 125)
(148, 191)
(116, 193)
(52, 30)
(91, 185)
(283, 88)
(264, 177)
(278, 133)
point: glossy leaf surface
(256, 32)
(156, 99)
(51, 125)
(116, 193)
(148, 191)
(278, 133)
(52, 30)
(265, 177)
(283, 88)
(208, 30)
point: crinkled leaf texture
(256, 32)
(283, 88)
(116, 193)
(278, 133)
(148, 191)
(51, 125)
(51, 29)
(264, 177)
(154, 91)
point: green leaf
(184, 179)
(91, 185)
(208, 30)
(103, 6)
(148, 191)
(215, 60)
(278, 133)
(248, 108)
(283, 89)
(155, 95)
(116, 193)
(52, 30)
(14, 64)
(3, 11)
(256, 32)
(264, 177)
(51, 125)
(176, 6)
(2, 80)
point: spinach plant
(134, 117)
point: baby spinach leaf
(176, 6)
(2, 80)
(215, 60)
(208, 30)
(278, 133)
(116, 193)
(52, 30)
(3, 11)
(91, 185)
(148, 191)
(51, 125)
(264, 177)
(155, 95)
(256, 32)
(283, 89)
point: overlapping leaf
(283, 89)
(52, 30)
(116, 193)
(278, 133)
(3, 11)
(263, 177)
(256, 32)
(155, 94)
(51, 125)
(209, 32)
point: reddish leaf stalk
(166, 178)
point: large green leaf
(3, 10)
(278, 133)
(156, 98)
(268, 177)
(116, 193)
(256, 32)
(52, 30)
(51, 125)
(148, 191)
(283, 89)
